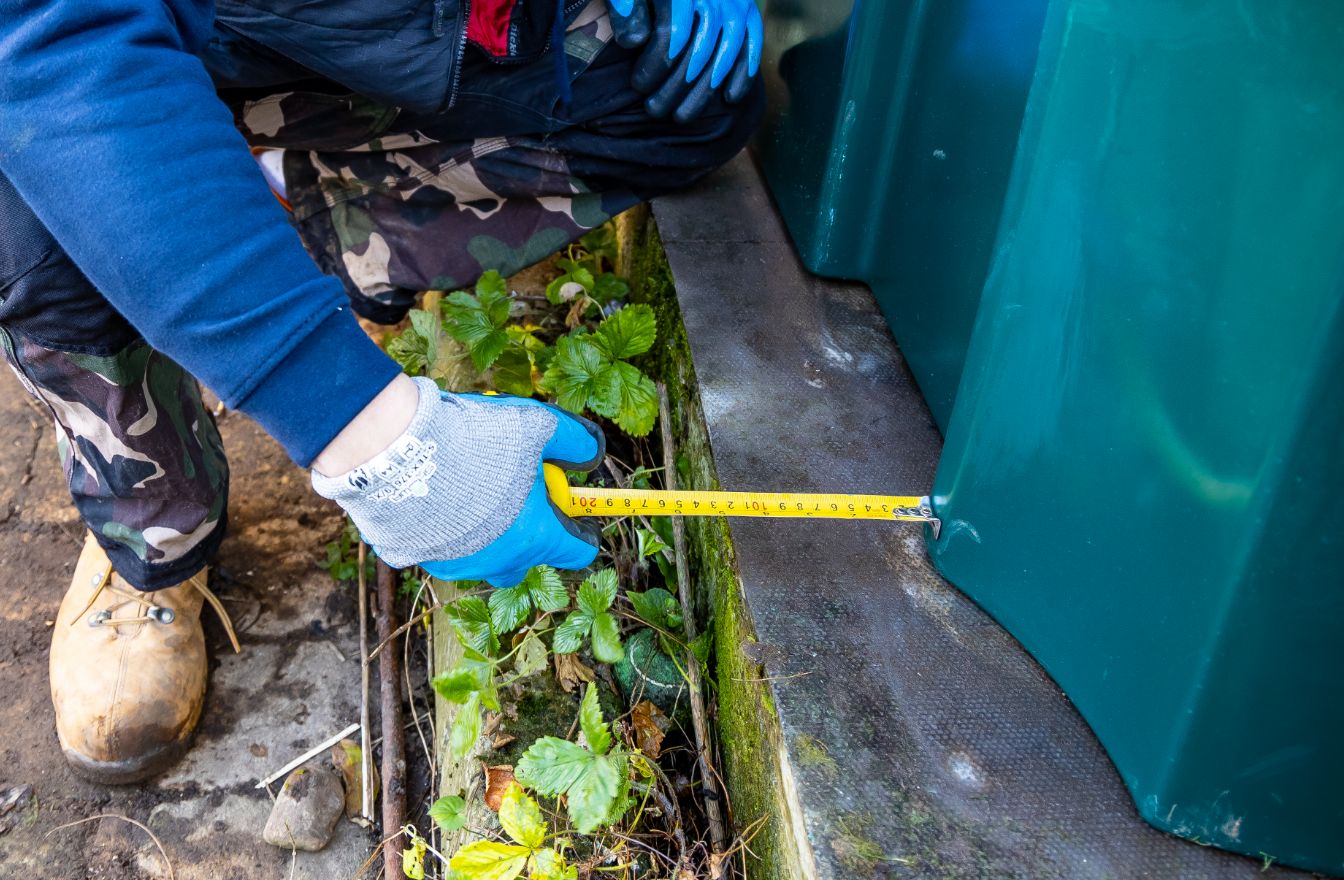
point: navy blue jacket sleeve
(112, 133)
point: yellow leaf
(521, 817)
(487, 860)
(413, 859)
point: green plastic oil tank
(1143, 477)
(888, 146)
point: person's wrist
(373, 430)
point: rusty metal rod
(394, 736)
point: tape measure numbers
(585, 501)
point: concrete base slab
(906, 734)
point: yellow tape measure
(585, 501)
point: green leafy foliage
(592, 619)
(478, 321)
(520, 366)
(628, 333)
(577, 280)
(416, 348)
(342, 561)
(466, 727)
(449, 812)
(522, 821)
(649, 543)
(531, 657)
(472, 685)
(591, 371)
(658, 608)
(594, 778)
(470, 619)
(542, 589)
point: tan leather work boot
(128, 670)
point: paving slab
(911, 736)
(296, 682)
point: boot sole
(129, 771)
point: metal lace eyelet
(161, 614)
(98, 618)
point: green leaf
(551, 765)
(448, 812)
(598, 591)
(492, 286)
(488, 860)
(520, 817)
(569, 635)
(416, 348)
(574, 274)
(546, 589)
(601, 242)
(547, 864)
(470, 619)
(590, 782)
(651, 607)
(701, 645)
(466, 728)
(607, 639)
(531, 656)
(509, 608)
(595, 729)
(576, 374)
(627, 333)
(623, 800)
(456, 686)
(610, 287)
(513, 371)
(628, 397)
(478, 321)
(649, 543)
(672, 610)
(593, 795)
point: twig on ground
(401, 630)
(365, 734)
(394, 737)
(671, 808)
(163, 854)
(307, 756)
(712, 813)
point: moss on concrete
(758, 778)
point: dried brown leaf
(570, 671)
(650, 725)
(497, 779)
(501, 740)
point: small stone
(14, 804)
(307, 809)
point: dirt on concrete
(295, 684)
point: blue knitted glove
(461, 492)
(693, 48)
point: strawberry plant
(593, 777)
(571, 805)
(521, 819)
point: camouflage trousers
(390, 203)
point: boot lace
(145, 610)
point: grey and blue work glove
(693, 48)
(460, 493)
